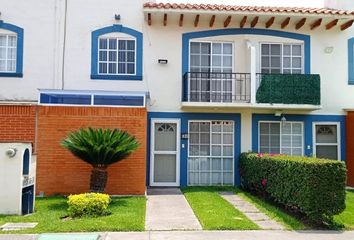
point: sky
(280, 3)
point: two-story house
(197, 84)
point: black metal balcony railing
(236, 88)
(216, 87)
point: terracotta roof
(217, 7)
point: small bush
(314, 187)
(93, 204)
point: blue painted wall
(184, 118)
(308, 121)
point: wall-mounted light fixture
(283, 120)
(117, 17)
(162, 61)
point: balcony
(247, 90)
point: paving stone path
(167, 209)
(251, 212)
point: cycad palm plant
(100, 148)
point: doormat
(68, 236)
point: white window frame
(282, 55)
(177, 121)
(314, 140)
(210, 154)
(7, 47)
(211, 61)
(280, 134)
(117, 50)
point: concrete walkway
(251, 212)
(167, 209)
(212, 235)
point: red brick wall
(59, 172)
(17, 123)
(350, 147)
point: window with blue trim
(11, 50)
(351, 61)
(116, 54)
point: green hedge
(289, 89)
(314, 187)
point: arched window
(117, 53)
(11, 50)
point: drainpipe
(253, 71)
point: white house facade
(203, 84)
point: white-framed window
(211, 153)
(116, 56)
(215, 58)
(8, 53)
(327, 140)
(281, 138)
(286, 58)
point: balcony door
(211, 67)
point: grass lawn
(272, 211)
(128, 214)
(346, 218)
(214, 212)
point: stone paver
(17, 226)
(167, 209)
(251, 212)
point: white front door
(327, 140)
(164, 167)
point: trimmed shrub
(313, 187)
(290, 89)
(93, 204)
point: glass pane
(194, 127)
(296, 50)
(228, 178)
(216, 60)
(193, 150)
(216, 48)
(112, 43)
(164, 168)
(275, 62)
(264, 128)
(227, 139)
(264, 141)
(103, 43)
(205, 47)
(228, 127)
(165, 136)
(195, 60)
(286, 141)
(296, 71)
(204, 178)
(193, 164)
(193, 178)
(204, 127)
(216, 150)
(131, 56)
(216, 179)
(204, 164)
(275, 70)
(227, 151)
(12, 41)
(275, 49)
(216, 138)
(122, 44)
(227, 164)
(275, 141)
(2, 53)
(296, 62)
(297, 128)
(286, 128)
(326, 133)
(227, 48)
(265, 62)
(130, 68)
(286, 151)
(122, 68)
(204, 150)
(329, 152)
(265, 49)
(286, 62)
(112, 56)
(205, 60)
(216, 164)
(131, 45)
(274, 128)
(112, 68)
(297, 141)
(11, 65)
(103, 55)
(286, 49)
(103, 67)
(195, 47)
(227, 61)
(121, 56)
(3, 41)
(297, 151)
